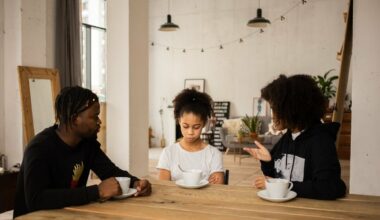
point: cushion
(232, 126)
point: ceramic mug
(124, 183)
(278, 188)
(192, 177)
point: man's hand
(143, 187)
(108, 188)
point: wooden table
(220, 202)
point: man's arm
(40, 193)
(104, 168)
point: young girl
(306, 153)
(191, 110)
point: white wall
(365, 64)
(139, 91)
(26, 40)
(50, 33)
(33, 25)
(12, 104)
(127, 91)
(306, 42)
(2, 147)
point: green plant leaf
(325, 83)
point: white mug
(192, 177)
(278, 188)
(124, 183)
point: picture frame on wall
(261, 107)
(197, 84)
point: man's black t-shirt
(54, 175)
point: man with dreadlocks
(58, 160)
(306, 155)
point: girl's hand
(259, 153)
(216, 178)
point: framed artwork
(197, 84)
(261, 107)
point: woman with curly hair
(192, 109)
(306, 154)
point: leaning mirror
(38, 88)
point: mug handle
(291, 186)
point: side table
(8, 181)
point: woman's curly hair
(296, 101)
(192, 101)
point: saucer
(182, 184)
(264, 195)
(130, 192)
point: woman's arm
(164, 174)
(325, 182)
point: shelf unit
(222, 111)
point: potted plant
(240, 134)
(325, 83)
(252, 125)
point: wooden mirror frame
(26, 73)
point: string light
(239, 40)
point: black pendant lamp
(169, 25)
(259, 21)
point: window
(94, 46)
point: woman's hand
(259, 153)
(259, 182)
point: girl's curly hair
(296, 101)
(192, 101)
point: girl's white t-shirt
(209, 160)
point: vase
(254, 136)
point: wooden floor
(243, 174)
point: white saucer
(181, 183)
(264, 195)
(131, 191)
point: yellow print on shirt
(77, 173)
